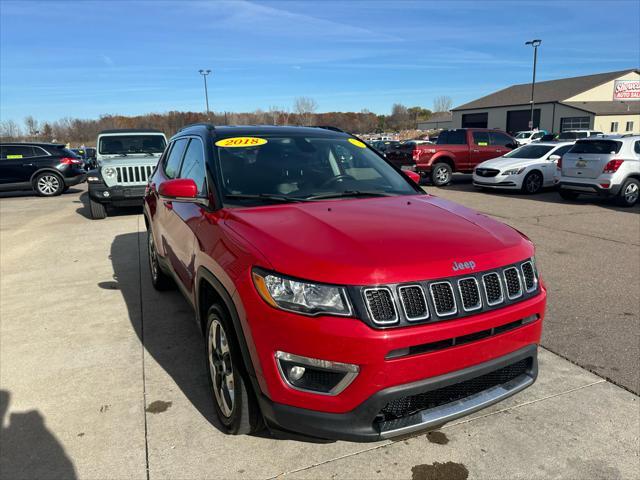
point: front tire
(532, 183)
(441, 174)
(234, 401)
(568, 194)
(98, 210)
(160, 280)
(629, 193)
(48, 184)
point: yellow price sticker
(237, 142)
(13, 156)
(482, 144)
(357, 143)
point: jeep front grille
(470, 294)
(414, 303)
(492, 288)
(134, 175)
(381, 305)
(529, 276)
(443, 299)
(512, 282)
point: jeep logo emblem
(464, 265)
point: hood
(502, 163)
(376, 240)
(129, 161)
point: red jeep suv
(337, 299)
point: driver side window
(171, 165)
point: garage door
(518, 120)
(475, 120)
(575, 123)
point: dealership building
(607, 102)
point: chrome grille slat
(135, 175)
(381, 305)
(414, 303)
(492, 289)
(512, 282)
(444, 301)
(469, 294)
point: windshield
(529, 151)
(522, 135)
(297, 168)
(131, 144)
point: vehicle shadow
(85, 211)
(27, 448)
(31, 193)
(463, 183)
(164, 323)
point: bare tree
(10, 130)
(442, 103)
(305, 107)
(31, 124)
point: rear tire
(98, 210)
(160, 280)
(629, 192)
(532, 183)
(48, 184)
(441, 174)
(234, 401)
(568, 194)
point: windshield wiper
(265, 196)
(122, 154)
(349, 193)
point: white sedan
(529, 168)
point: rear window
(452, 137)
(597, 147)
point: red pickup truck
(460, 150)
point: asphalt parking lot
(103, 377)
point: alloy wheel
(153, 257)
(442, 175)
(533, 183)
(631, 193)
(48, 184)
(221, 368)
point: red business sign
(626, 90)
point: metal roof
(607, 108)
(545, 92)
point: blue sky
(84, 58)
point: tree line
(304, 112)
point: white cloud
(107, 60)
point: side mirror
(415, 177)
(179, 188)
(554, 158)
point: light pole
(204, 74)
(535, 44)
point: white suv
(606, 166)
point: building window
(614, 127)
(629, 127)
(575, 123)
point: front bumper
(499, 181)
(366, 422)
(118, 195)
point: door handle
(475, 151)
(27, 164)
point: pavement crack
(144, 379)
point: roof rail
(198, 124)
(329, 127)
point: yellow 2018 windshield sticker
(9, 157)
(236, 142)
(357, 143)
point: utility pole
(535, 44)
(204, 74)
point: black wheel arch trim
(204, 275)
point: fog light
(296, 373)
(105, 194)
(314, 375)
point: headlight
(514, 171)
(109, 172)
(303, 297)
